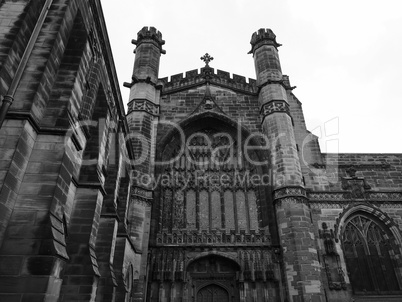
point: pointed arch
(128, 282)
(371, 209)
(204, 118)
(217, 254)
(214, 146)
(213, 292)
(371, 251)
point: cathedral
(203, 186)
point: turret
(147, 54)
(274, 107)
(143, 111)
(266, 59)
(289, 196)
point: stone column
(296, 236)
(143, 112)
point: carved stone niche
(356, 185)
(332, 263)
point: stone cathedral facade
(208, 187)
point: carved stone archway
(212, 293)
(213, 278)
(371, 254)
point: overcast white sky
(344, 56)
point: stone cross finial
(207, 58)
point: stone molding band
(290, 195)
(262, 43)
(275, 106)
(142, 196)
(143, 105)
(343, 196)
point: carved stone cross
(207, 58)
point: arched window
(370, 249)
(208, 184)
(129, 284)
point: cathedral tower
(143, 112)
(292, 212)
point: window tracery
(209, 187)
(369, 250)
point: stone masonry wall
(63, 186)
(383, 199)
(178, 106)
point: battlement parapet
(193, 77)
(150, 35)
(263, 37)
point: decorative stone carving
(275, 106)
(178, 210)
(377, 167)
(257, 265)
(290, 191)
(327, 196)
(290, 195)
(143, 105)
(95, 48)
(394, 196)
(167, 208)
(357, 185)
(290, 201)
(141, 196)
(141, 201)
(206, 58)
(140, 192)
(347, 197)
(333, 269)
(329, 239)
(178, 237)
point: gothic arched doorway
(213, 279)
(212, 293)
(371, 253)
